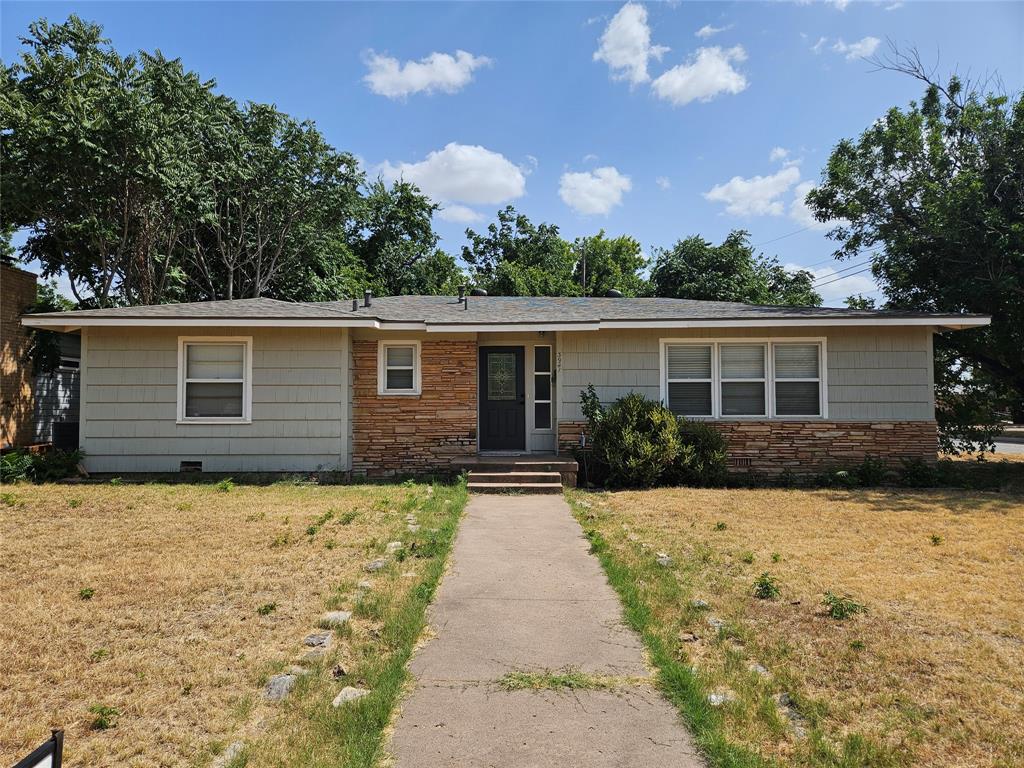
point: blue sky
(587, 115)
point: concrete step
(493, 476)
(514, 487)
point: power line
(842, 277)
(782, 237)
(841, 271)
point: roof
(448, 313)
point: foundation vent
(190, 466)
(739, 461)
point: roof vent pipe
(478, 292)
(612, 293)
(465, 302)
(367, 298)
(355, 304)
(462, 293)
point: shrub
(766, 587)
(41, 467)
(871, 471)
(918, 473)
(702, 459)
(106, 717)
(14, 466)
(633, 441)
(842, 606)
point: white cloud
(800, 213)
(863, 47)
(818, 45)
(463, 173)
(778, 153)
(708, 31)
(894, 6)
(594, 192)
(840, 4)
(705, 75)
(756, 196)
(663, 183)
(443, 72)
(589, 158)
(626, 45)
(459, 214)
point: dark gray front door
(502, 399)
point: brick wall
(772, 447)
(17, 292)
(400, 435)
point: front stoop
(533, 474)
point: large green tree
(136, 179)
(694, 268)
(607, 263)
(516, 257)
(935, 193)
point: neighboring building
(411, 384)
(17, 294)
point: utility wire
(841, 271)
(782, 237)
(843, 277)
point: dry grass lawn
(172, 638)
(931, 675)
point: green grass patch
(565, 680)
(310, 732)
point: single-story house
(412, 384)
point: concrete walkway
(524, 594)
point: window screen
(214, 380)
(400, 368)
(797, 380)
(689, 379)
(742, 374)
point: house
(411, 384)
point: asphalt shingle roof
(484, 310)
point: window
(398, 368)
(689, 379)
(742, 378)
(542, 387)
(730, 379)
(215, 379)
(797, 380)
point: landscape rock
(313, 655)
(759, 669)
(278, 687)
(338, 671)
(348, 693)
(229, 755)
(375, 565)
(700, 605)
(796, 721)
(394, 546)
(319, 640)
(715, 623)
(296, 670)
(632, 537)
(413, 527)
(689, 637)
(365, 584)
(335, 619)
(664, 560)
(720, 698)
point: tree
(695, 269)
(609, 263)
(517, 258)
(935, 193)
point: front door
(502, 399)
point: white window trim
(551, 383)
(382, 361)
(246, 417)
(716, 380)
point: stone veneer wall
(403, 434)
(772, 447)
(17, 293)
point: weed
(330, 544)
(99, 655)
(186, 689)
(225, 485)
(116, 481)
(747, 557)
(266, 609)
(255, 516)
(857, 645)
(86, 593)
(281, 540)
(347, 517)
(183, 506)
(568, 680)
(720, 526)
(842, 606)
(766, 587)
(105, 717)
(776, 557)
(9, 499)
(74, 503)
(935, 539)
(319, 523)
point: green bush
(702, 458)
(38, 467)
(871, 471)
(639, 442)
(918, 473)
